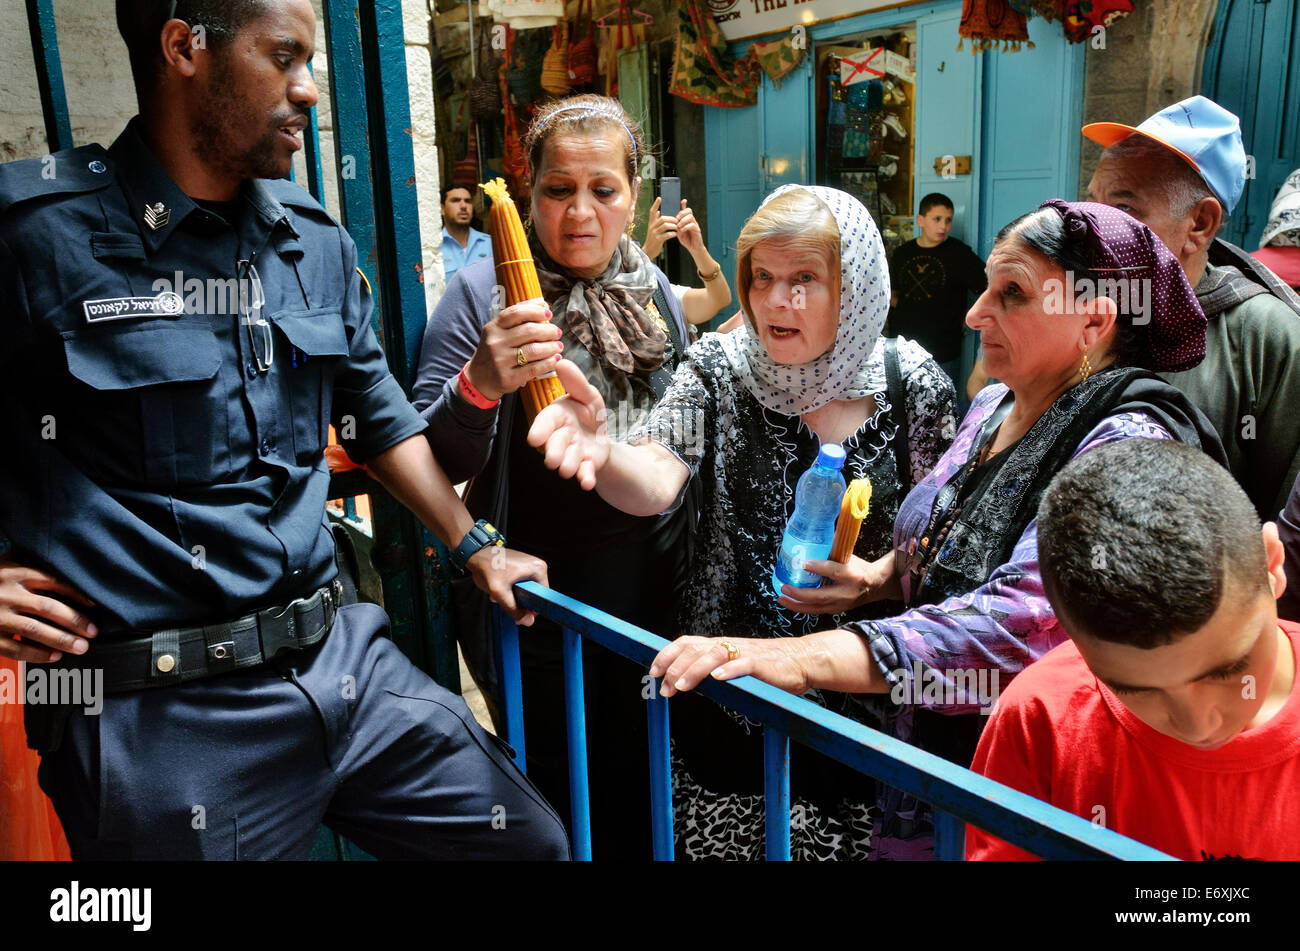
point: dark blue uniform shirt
(147, 459)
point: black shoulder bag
(898, 409)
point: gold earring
(1085, 367)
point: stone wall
(96, 75)
(1152, 58)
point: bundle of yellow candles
(518, 275)
(853, 509)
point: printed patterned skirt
(730, 826)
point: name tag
(166, 304)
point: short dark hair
(448, 189)
(1137, 540)
(141, 21)
(932, 199)
(1044, 231)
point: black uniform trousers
(248, 765)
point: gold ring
(732, 650)
(520, 358)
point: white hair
(1182, 185)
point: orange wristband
(471, 394)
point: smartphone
(670, 196)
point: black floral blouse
(750, 459)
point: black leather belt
(176, 655)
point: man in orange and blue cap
(1181, 172)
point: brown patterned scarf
(611, 331)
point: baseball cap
(1200, 131)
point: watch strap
(480, 536)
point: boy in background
(1171, 717)
(931, 276)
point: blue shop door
(947, 121)
(947, 124)
(1252, 68)
(752, 151)
(787, 128)
(1033, 111)
(735, 185)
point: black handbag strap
(898, 409)
(662, 377)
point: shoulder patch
(69, 172)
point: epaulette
(292, 195)
(84, 169)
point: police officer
(181, 327)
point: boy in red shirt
(1171, 715)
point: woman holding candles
(1083, 303)
(745, 415)
(608, 309)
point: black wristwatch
(480, 536)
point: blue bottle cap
(831, 456)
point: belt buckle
(278, 632)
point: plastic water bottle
(811, 529)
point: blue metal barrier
(49, 74)
(958, 795)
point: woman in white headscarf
(1279, 246)
(745, 416)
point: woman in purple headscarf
(1083, 304)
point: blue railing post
(376, 162)
(575, 720)
(776, 788)
(49, 74)
(949, 837)
(1021, 820)
(311, 141)
(512, 693)
(661, 776)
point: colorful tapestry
(703, 71)
(778, 58)
(987, 23)
(1049, 10)
(1081, 17)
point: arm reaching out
(639, 480)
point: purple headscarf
(1121, 250)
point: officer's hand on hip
(47, 627)
(496, 570)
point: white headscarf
(795, 389)
(1283, 226)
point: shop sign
(740, 19)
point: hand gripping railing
(957, 794)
